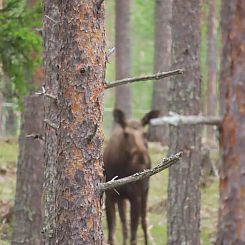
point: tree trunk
(211, 94)
(183, 190)
(162, 59)
(27, 210)
(123, 58)
(231, 225)
(51, 65)
(81, 74)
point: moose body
(127, 154)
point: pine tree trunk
(27, 210)
(211, 94)
(51, 65)
(231, 225)
(183, 190)
(123, 58)
(162, 59)
(81, 73)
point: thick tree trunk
(231, 227)
(123, 58)
(162, 62)
(51, 65)
(211, 94)
(27, 210)
(81, 70)
(183, 190)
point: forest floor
(156, 206)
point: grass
(157, 199)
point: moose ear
(119, 117)
(152, 114)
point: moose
(127, 154)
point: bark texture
(211, 94)
(51, 65)
(183, 190)
(81, 73)
(231, 226)
(27, 210)
(162, 62)
(123, 57)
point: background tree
(51, 66)
(81, 70)
(27, 210)
(183, 190)
(123, 57)
(231, 225)
(162, 62)
(212, 53)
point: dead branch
(35, 136)
(51, 124)
(177, 120)
(156, 76)
(165, 163)
(99, 3)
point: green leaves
(20, 45)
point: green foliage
(20, 45)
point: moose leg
(122, 213)
(135, 214)
(143, 217)
(111, 219)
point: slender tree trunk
(27, 210)
(183, 190)
(51, 65)
(211, 94)
(81, 71)
(123, 58)
(162, 62)
(231, 226)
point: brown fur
(126, 154)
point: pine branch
(165, 163)
(156, 76)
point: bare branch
(176, 120)
(50, 96)
(51, 124)
(99, 3)
(156, 76)
(109, 53)
(35, 136)
(165, 163)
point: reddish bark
(231, 227)
(81, 70)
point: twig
(176, 120)
(51, 124)
(56, 22)
(45, 94)
(35, 136)
(99, 3)
(109, 53)
(156, 76)
(165, 163)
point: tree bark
(123, 57)
(162, 62)
(211, 94)
(27, 210)
(183, 190)
(51, 65)
(231, 225)
(81, 74)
